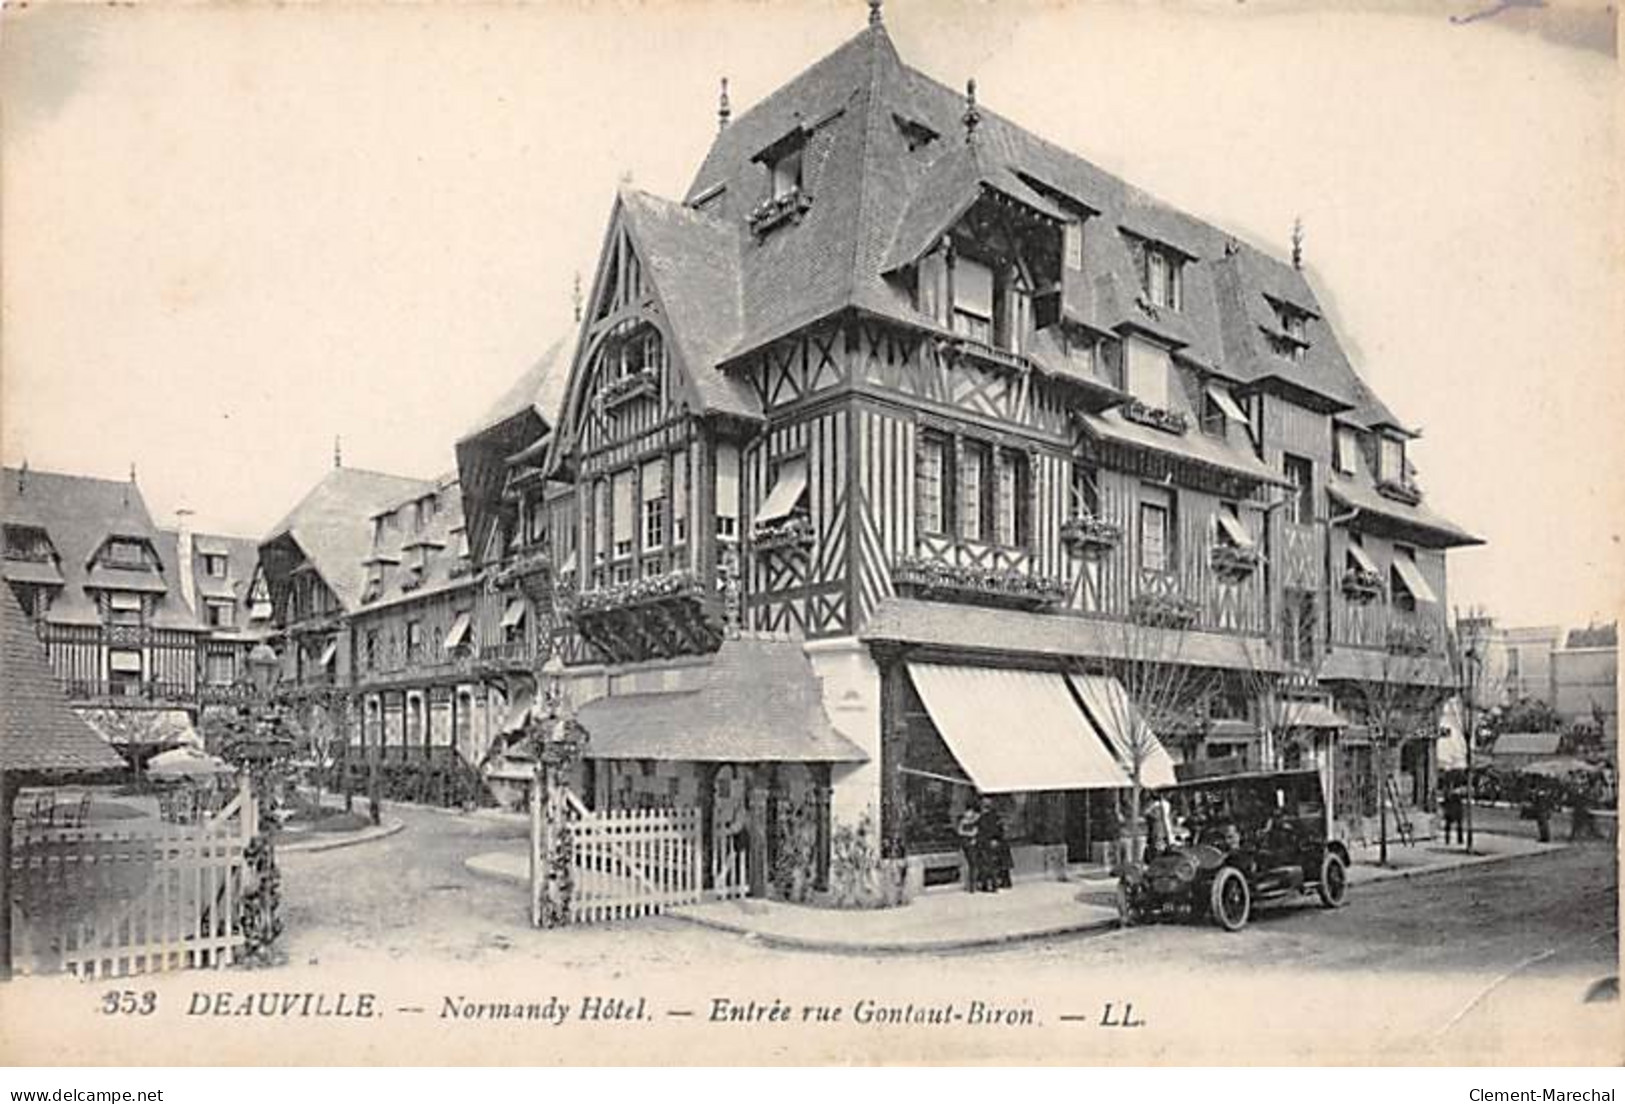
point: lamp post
(260, 751)
(556, 740)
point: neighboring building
(1514, 663)
(1585, 677)
(1518, 749)
(970, 421)
(108, 595)
(316, 572)
(221, 581)
(421, 701)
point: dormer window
(973, 300)
(787, 174)
(1291, 339)
(1146, 369)
(1162, 276)
(1391, 460)
(1346, 447)
(124, 553)
(214, 565)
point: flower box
(1409, 640)
(639, 592)
(1228, 559)
(792, 531)
(968, 583)
(1362, 586)
(1400, 491)
(1168, 611)
(773, 212)
(1085, 534)
(1167, 421)
(645, 381)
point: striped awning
(1113, 712)
(1362, 559)
(1311, 715)
(457, 633)
(1411, 576)
(1015, 730)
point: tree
(1529, 715)
(1160, 691)
(1398, 699)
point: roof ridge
(877, 38)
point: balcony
(507, 655)
(989, 355)
(979, 585)
(1087, 535)
(663, 615)
(645, 381)
(1411, 638)
(531, 570)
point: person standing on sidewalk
(1454, 806)
(969, 831)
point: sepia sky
(231, 233)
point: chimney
(183, 552)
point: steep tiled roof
(79, 514)
(1416, 521)
(39, 734)
(876, 202)
(1594, 636)
(538, 391)
(760, 702)
(401, 547)
(330, 526)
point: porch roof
(760, 702)
(1373, 666)
(39, 734)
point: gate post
(756, 811)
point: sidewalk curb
(936, 946)
(367, 835)
(474, 866)
(1379, 874)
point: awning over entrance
(1312, 715)
(760, 702)
(518, 711)
(1015, 730)
(1112, 711)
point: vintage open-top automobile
(1232, 841)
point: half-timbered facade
(145, 627)
(978, 426)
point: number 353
(127, 1002)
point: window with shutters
(971, 491)
(1162, 276)
(1146, 370)
(124, 608)
(654, 506)
(621, 531)
(679, 498)
(1010, 522)
(1391, 459)
(1156, 529)
(1300, 472)
(929, 477)
(727, 491)
(1346, 447)
(973, 299)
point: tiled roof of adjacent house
(39, 734)
(412, 562)
(760, 702)
(79, 514)
(242, 559)
(330, 527)
(1595, 636)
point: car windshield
(1226, 812)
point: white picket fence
(103, 902)
(629, 863)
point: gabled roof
(537, 393)
(79, 514)
(330, 527)
(242, 558)
(40, 734)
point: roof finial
(338, 451)
(973, 117)
(22, 477)
(575, 296)
(724, 108)
(874, 13)
(1297, 242)
(132, 473)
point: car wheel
(1230, 900)
(1334, 881)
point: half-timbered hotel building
(147, 628)
(906, 409)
